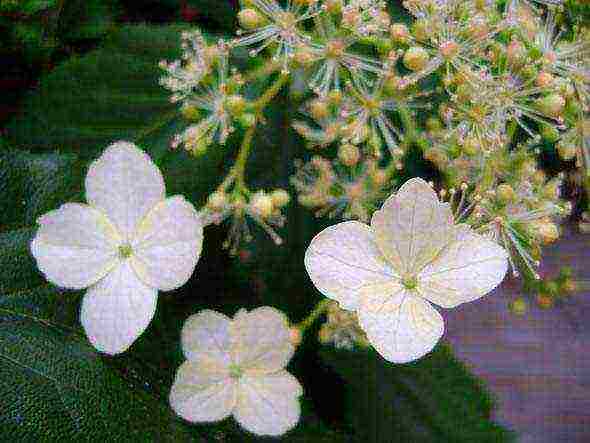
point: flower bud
(544, 301)
(420, 30)
(235, 104)
(449, 49)
(349, 154)
(551, 105)
(319, 109)
(250, 18)
(519, 306)
(567, 151)
(333, 6)
(544, 79)
(280, 198)
(549, 133)
(416, 58)
(399, 33)
(505, 193)
(295, 336)
(547, 232)
(217, 201)
(516, 53)
(303, 56)
(568, 287)
(261, 205)
(551, 190)
(190, 112)
(471, 146)
(539, 177)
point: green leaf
(86, 19)
(434, 399)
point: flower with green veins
(237, 367)
(127, 243)
(389, 273)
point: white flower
(127, 243)
(412, 255)
(236, 367)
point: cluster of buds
(242, 207)
(345, 187)
(342, 329)
(475, 85)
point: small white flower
(236, 367)
(412, 255)
(127, 243)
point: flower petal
(117, 310)
(466, 270)
(75, 246)
(202, 393)
(401, 326)
(413, 226)
(268, 405)
(207, 335)
(167, 244)
(342, 259)
(261, 340)
(125, 183)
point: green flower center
(235, 371)
(410, 282)
(125, 251)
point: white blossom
(127, 243)
(389, 273)
(236, 367)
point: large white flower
(412, 255)
(236, 367)
(127, 243)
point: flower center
(410, 282)
(125, 251)
(335, 49)
(235, 371)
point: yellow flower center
(125, 251)
(235, 371)
(410, 282)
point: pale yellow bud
(399, 32)
(235, 104)
(261, 205)
(217, 201)
(505, 193)
(250, 18)
(319, 109)
(416, 58)
(349, 154)
(280, 198)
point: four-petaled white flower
(412, 255)
(236, 367)
(127, 243)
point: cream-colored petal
(260, 340)
(125, 184)
(269, 404)
(402, 327)
(206, 335)
(202, 393)
(466, 270)
(117, 310)
(75, 246)
(168, 244)
(412, 227)
(342, 259)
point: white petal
(202, 393)
(117, 310)
(168, 244)
(466, 270)
(413, 226)
(268, 405)
(125, 183)
(207, 335)
(401, 326)
(75, 246)
(261, 340)
(342, 259)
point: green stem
(408, 124)
(319, 309)
(246, 146)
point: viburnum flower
(127, 243)
(236, 367)
(389, 273)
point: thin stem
(319, 309)
(246, 146)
